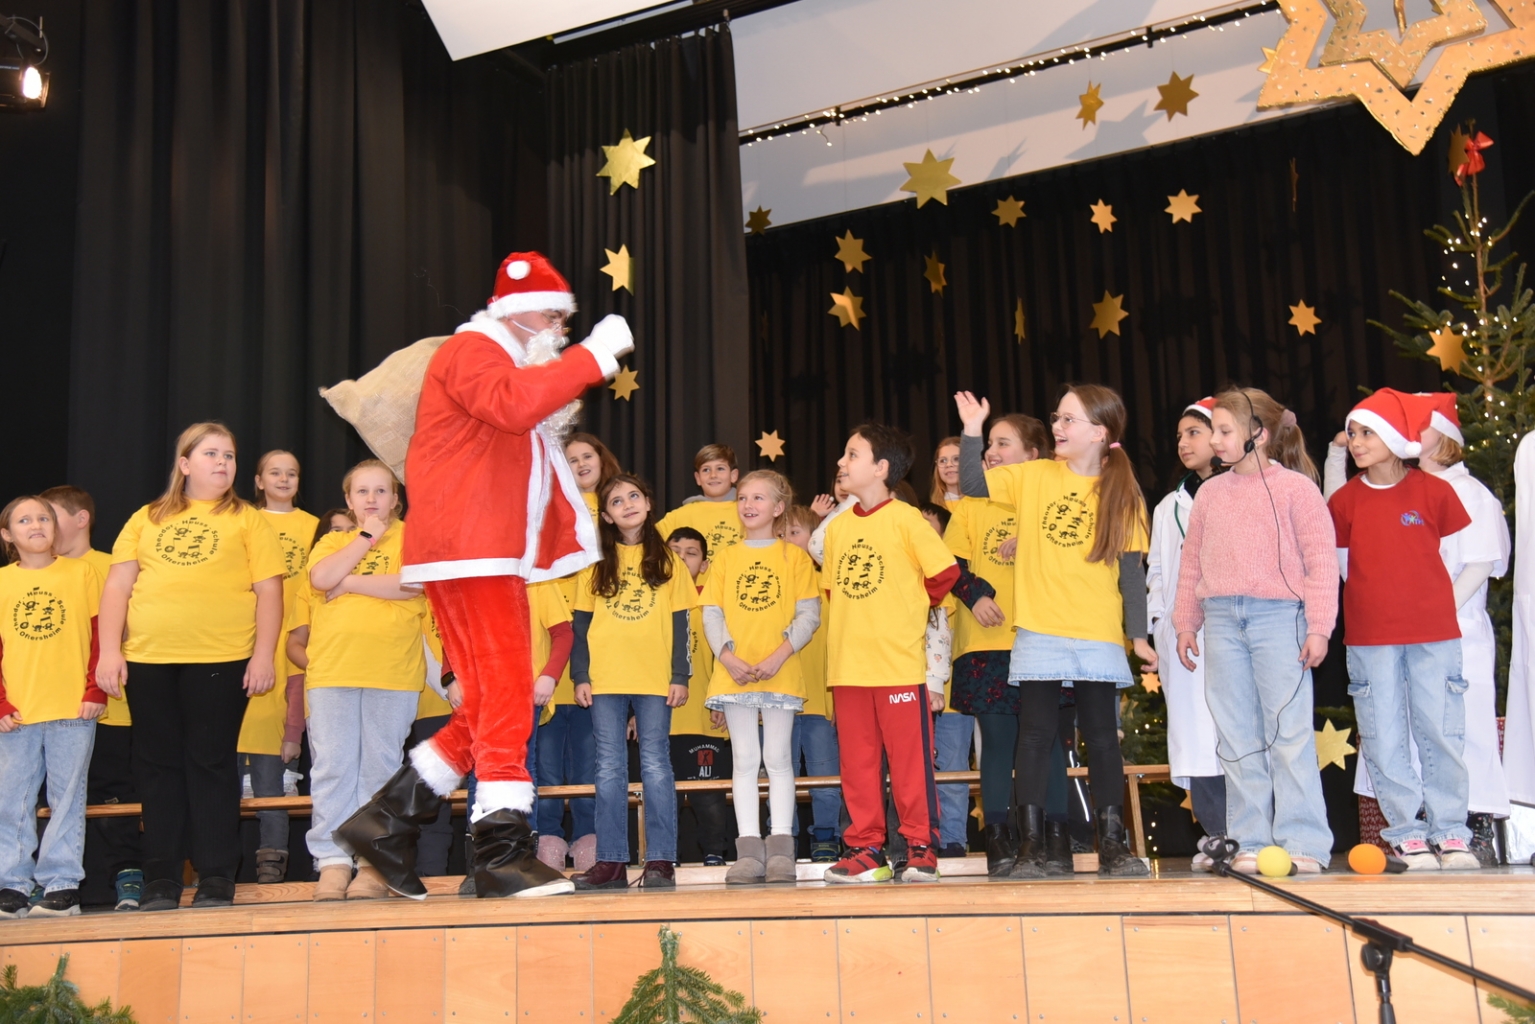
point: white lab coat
(1519, 725)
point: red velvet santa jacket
(489, 494)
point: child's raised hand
(823, 505)
(1341, 441)
(90, 711)
(374, 525)
(973, 412)
(740, 671)
(676, 696)
(584, 695)
(111, 673)
(1313, 650)
(1188, 649)
(10, 722)
(543, 690)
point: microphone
(1216, 465)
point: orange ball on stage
(1367, 859)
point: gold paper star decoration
(934, 272)
(1103, 216)
(1183, 206)
(1448, 348)
(850, 252)
(1332, 746)
(1458, 155)
(1177, 94)
(1010, 210)
(930, 179)
(626, 383)
(1091, 104)
(1018, 321)
(1454, 19)
(770, 446)
(757, 221)
(1107, 313)
(625, 161)
(1268, 60)
(847, 308)
(1188, 804)
(620, 268)
(1151, 682)
(1304, 319)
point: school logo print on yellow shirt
(758, 588)
(189, 541)
(293, 555)
(635, 597)
(38, 615)
(991, 544)
(374, 563)
(860, 570)
(1068, 521)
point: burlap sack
(381, 405)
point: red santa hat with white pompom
(528, 283)
(1443, 415)
(1397, 417)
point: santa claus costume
(493, 507)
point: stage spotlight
(22, 85)
(31, 84)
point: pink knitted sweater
(1231, 548)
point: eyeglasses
(1066, 420)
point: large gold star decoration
(770, 446)
(1304, 319)
(1454, 19)
(1103, 216)
(1177, 94)
(1019, 323)
(1448, 348)
(625, 161)
(850, 252)
(1332, 746)
(1107, 313)
(1151, 682)
(1183, 206)
(930, 179)
(934, 272)
(847, 308)
(1091, 104)
(626, 383)
(1010, 210)
(620, 268)
(757, 221)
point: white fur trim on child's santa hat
(434, 771)
(1204, 407)
(490, 797)
(1391, 414)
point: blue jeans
(566, 757)
(1261, 699)
(952, 733)
(1417, 690)
(59, 751)
(653, 722)
(815, 740)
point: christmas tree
(672, 994)
(56, 1001)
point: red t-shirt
(1398, 590)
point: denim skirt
(1042, 657)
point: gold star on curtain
(620, 268)
(770, 446)
(625, 161)
(847, 308)
(930, 179)
(1177, 94)
(757, 222)
(1091, 104)
(626, 383)
(1268, 60)
(1009, 211)
(1332, 746)
(1107, 313)
(850, 252)
(1151, 682)
(1458, 155)
(1103, 216)
(1183, 206)
(1304, 319)
(1018, 321)
(934, 272)
(1448, 348)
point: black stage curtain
(274, 195)
(683, 230)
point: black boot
(1030, 862)
(1058, 862)
(385, 829)
(1114, 855)
(1484, 838)
(506, 859)
(466, 887)
(1000, 851)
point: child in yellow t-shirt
(813, 748)
(631, 657)
(712, 513)
(760, 610)
(565, 754)
(700, 741)
(592, 464)
(49, 704)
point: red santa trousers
(892, 720)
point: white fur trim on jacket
(434, 771)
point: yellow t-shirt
(630, 637)
(261, 731)
(430, 705)
(977, 528)
(718, 521)
(757, 587)
(877, 566)
(363, 641)
(1057, 591)
(564, 690)
(590, 497)
(117, 707)
(812, 660)
(547, 609)
(192, 602)
(45, 637)
(692, 719)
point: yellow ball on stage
(1273, 862)
(1367, 859)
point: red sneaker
(862, 864)
(921, 865)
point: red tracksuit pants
(893, 721)
(485, 629)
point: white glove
(610, 339)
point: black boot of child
(1030, 862)
(1115, 857)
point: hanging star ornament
(1448, 348)
(1091, 104)
(1304, 319)
(1177, 94)
(1332, 746)
(770, 446)
(850, 252)
(1151, 682)
(626, 383)
(620, 268)
(1398, 55)
(1183, 206)
(847, 308)
(1103, 216)
(930, 179)
(757, 222)
(1107, 313)
(1018, 321)
(1009, 211)
(934, 272)
(1188, 804)
(625, 161)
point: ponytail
(1286, 444)
(1121, 506)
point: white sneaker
(1202, 862)
(1456, 855)
(1305, 865)
(1417, 855)
(1245, 863)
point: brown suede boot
(780, 859)
(271, 866)
(367, 884)
(333, 882)
(751, 862)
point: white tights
(747, 757)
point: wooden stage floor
(1178, 947)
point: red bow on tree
(1474, 162)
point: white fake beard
(544, 347)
